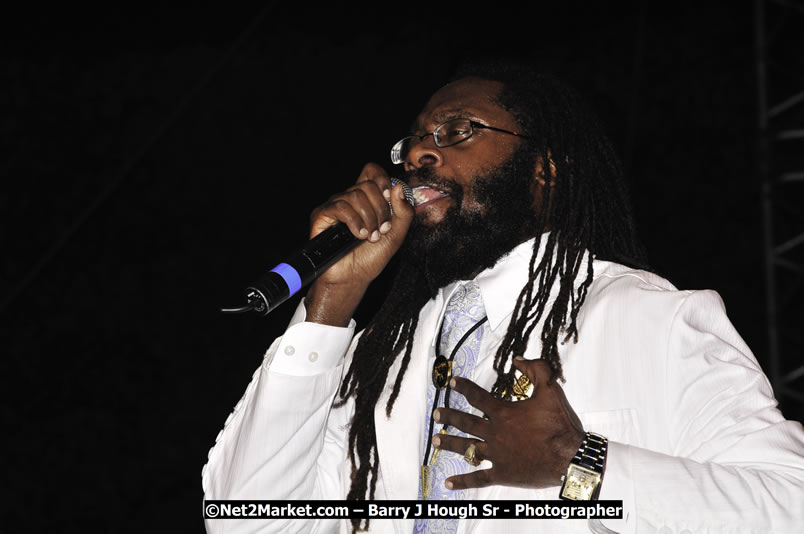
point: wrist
(332, 305)
(567, 450)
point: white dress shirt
(696, 443)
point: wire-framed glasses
(448, 133)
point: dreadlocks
(586, 210)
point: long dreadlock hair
(589, 216)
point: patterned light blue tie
(464, 310)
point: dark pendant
(442, 372)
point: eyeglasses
(449, 133)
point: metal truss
(780, 91)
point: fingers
(477, 396)
(350, 208)
(363, 207)
(459, 445)
(376, 185)
(471, 424)
(403, 214)
(476, 479)
(372, 171)
(367, 200)
(538, 371)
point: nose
(424, 154)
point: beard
(467, 241)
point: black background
(157, 160)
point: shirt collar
(501, 284)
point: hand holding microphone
(376, 209)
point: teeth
(420, 197)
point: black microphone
(304, 265)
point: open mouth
(424, 194)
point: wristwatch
(585, 471)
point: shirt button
(290, 350)
(313, 356)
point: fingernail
(387, 194)
(448, 484)
(453, 383)
(436, 441)
(519, 358)
(375, 236)
(384, 227)
(363, 232)
(437, 415)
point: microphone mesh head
(408, 192)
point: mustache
(428, 176)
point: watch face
(580, 484)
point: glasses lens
(399, 152)
(452, 132)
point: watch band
(592, 452)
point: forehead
(472, 98)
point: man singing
(523, 352)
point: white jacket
(696, 443)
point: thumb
(403, 214)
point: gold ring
(470, 455)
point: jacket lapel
(400, 437)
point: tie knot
(466, 301)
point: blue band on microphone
(290, 276)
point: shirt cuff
(308, 349)
(618, 485)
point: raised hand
(363, 207)
(529, 442)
